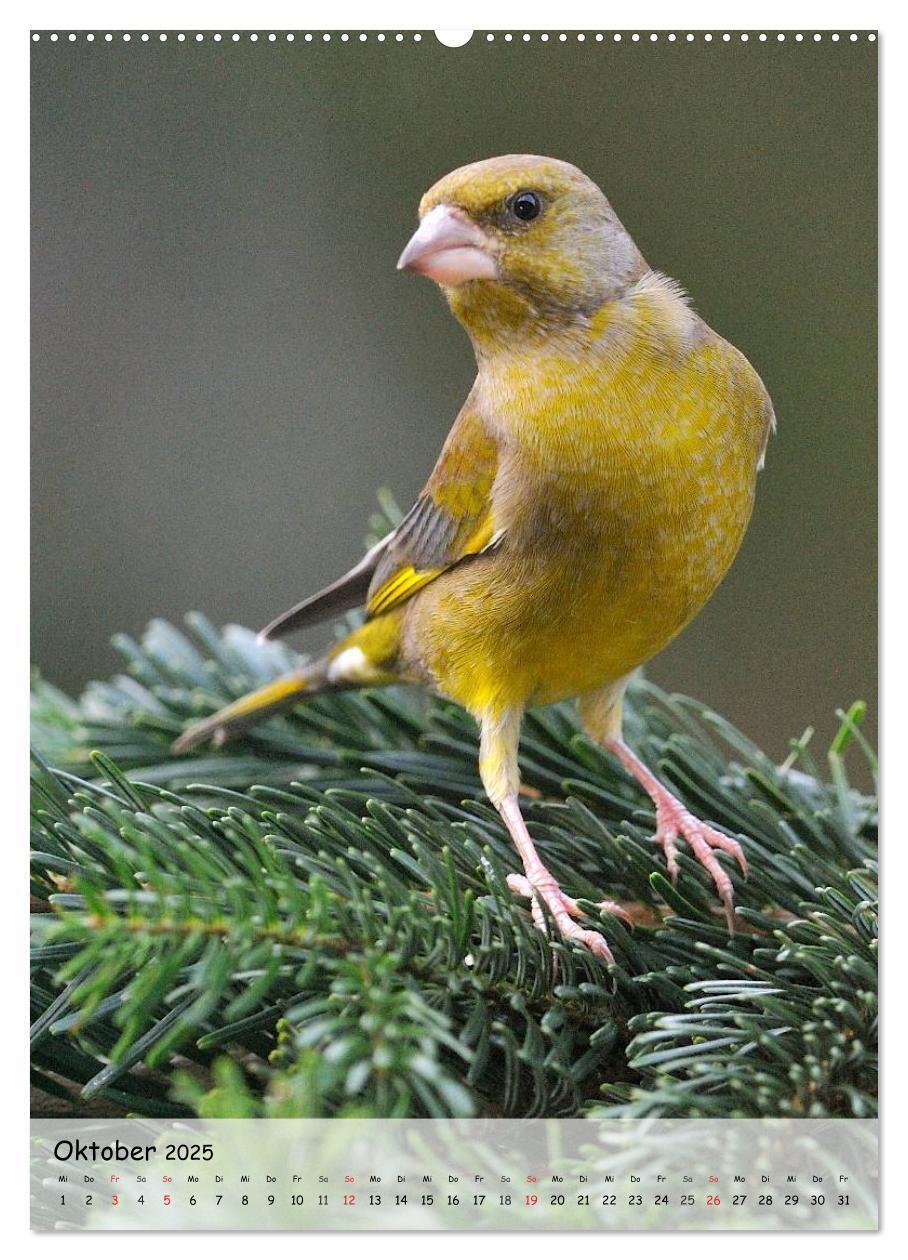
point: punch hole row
(526, 37)
(672, 37)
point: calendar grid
(431, 1174)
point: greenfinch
(590, 497)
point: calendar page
(521, 875)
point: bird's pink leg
(540, 885)
(499, 734)
(673, 819)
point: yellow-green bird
(588, 500)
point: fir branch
(315, 920)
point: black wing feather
(347, 592)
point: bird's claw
(543, 888)
(672, 821)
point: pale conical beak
(449, 249)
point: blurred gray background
(227, 366)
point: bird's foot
(672, 821)
(543, 888)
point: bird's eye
(526, 206)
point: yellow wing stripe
(450, 521)
(400, 587)
(407, 581)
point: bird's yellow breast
(628, 461)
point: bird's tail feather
(274, 697)
(366, 658)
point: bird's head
(521, 243)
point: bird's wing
(347, 592)
(450, 521)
